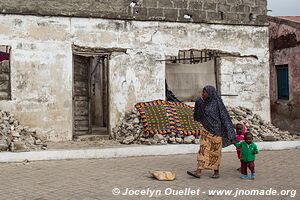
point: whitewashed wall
(245, 82)
(41, 64)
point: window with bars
(5, 87)
(188, 72)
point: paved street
(95, 179)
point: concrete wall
(41, 64)
(207, 11)
(285, 49)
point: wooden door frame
(75, 52)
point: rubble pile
(261, 130)
(15, 137)
(131, 130)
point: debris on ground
(163, 175)
(16, 137)
(25, 162)
(131, 130)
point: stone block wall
(249, 12)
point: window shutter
(283, 82)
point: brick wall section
(250, 12)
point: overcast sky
(284, 7)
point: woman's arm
(197, 109)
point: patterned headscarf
(212, 114)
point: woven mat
(164, 117)
(185, 123)
(156, 117)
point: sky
(284, 7)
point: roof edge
(279, 20)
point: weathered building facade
(126, 43)
(285, 71)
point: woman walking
(211, 112)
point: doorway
(90, 94)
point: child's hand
(234, 141)
(254, 152)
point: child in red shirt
(241, 129)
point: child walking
(248, 155)
(240, 130)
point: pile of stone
(15, 137)
(261, 130)
(131, 130)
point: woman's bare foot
(196, 174)
(216, 174)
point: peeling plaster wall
(244, 82)
(286, 114)
(41, 64)
(135, 77)
(285, 49)
(41, 73)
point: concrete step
(99, 131)
(93, 137)
(128, 151)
